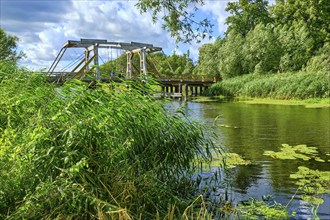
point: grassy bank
(308, 103)
(300, 85)
(81, 152)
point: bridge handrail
(189, 77)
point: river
(251, 129)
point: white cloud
(218, 13)
(43, 28)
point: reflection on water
(249, 130)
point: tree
(321, 61)
(315, 14)
(208, 59)
(297, 44)
(231, 56)
(261, 50)
(8, 47)
(178, 19)
(246, 14)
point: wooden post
(186, 92)
(129, 65)
(201, 90)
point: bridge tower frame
(92, 46)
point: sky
(43, 26)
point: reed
(93, 152)
(299, 85)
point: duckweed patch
(229, 160)
(288, 152)
(259, 209)
(313, 183)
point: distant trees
(8, 47)
(157, 63)
(287, 36)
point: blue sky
(44, 25)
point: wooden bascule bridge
(87, 67)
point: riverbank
(308, 103)
(281, 86)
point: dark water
(252, 129)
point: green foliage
(315, 14)
(261, 50)
(181, 23)
(246, 14)
(8, 47)
(321, 61)
(81, 152)
(231, 55)
(296, 46)
(299, 85)
(208, 59)
(290, 36)
(157, 65)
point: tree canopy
(286, 36)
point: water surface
(251, 129)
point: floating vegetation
(229, 160)
(288, 152)
(313, 183)
(259, 209)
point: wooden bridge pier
(183, 88)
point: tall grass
(300, 85)
(78, 152)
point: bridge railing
(190, 77)
(63, 76)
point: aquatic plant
(288, 152)
(230, 160)
(262, 209)
(313, 183)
